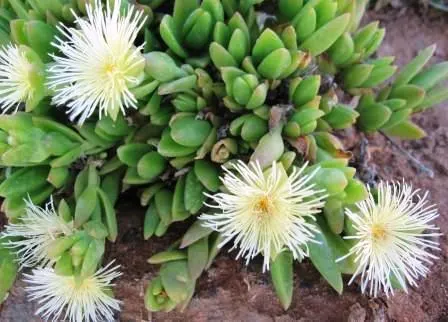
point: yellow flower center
(110, 68)
(264, 206)
(114, 72)
(379, 232)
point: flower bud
(223, 149)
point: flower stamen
(263, 206)
(379, 232)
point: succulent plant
(207, 109)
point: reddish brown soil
(229, 291)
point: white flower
(19, 77)
(265, 211)
(101, 63)
(35, 231)
(87, 299)
(392, 238)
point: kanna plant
(221, 110)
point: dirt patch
(230, 291)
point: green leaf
(289, 8)
(397, 117)
(273, 66)
(182, 9)
(194, 193)
(201, 28)
(431, 76)
(189, 132)
(85, 205)
(373, 117)
(342, 50)
(169, 36)
(414, 66)
(130, 154)
(356, 75)
(151, 222)
(40, 35)
(254, 128)
(215, 240)
(48, 125)
(197, 257)
(215, 8)
(220, 56)
(8, 272)
(92, 257)
(179, 85)
(406, 130)
(365, 35)
(179, 211)
(307, 89)
(110, 215)
(283, 277)
(340, 248)
(267, 43)
(176, 280)
(413, 94)
(334, 214)
(23, 181)
(325, 36)
(332, 180)
(151, 165)
(323, 259)
(238, 46)
(379, 75)
(58, 246)
(169, 148)
(96, 229)
(355, 191)
(208, 174)
(194, 233)
(325, 11)
(270, 147)
(164, 201)
(433, 97)
(167, 256)
(306, 24)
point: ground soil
(230, 291)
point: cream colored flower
(265, 212)
(100, 63)
(393, 238)
(35, 231)
(73, 298)
(21, 79)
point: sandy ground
(229, 291)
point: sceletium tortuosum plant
(221, 110)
